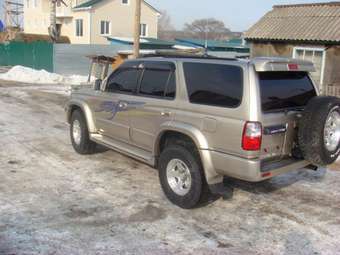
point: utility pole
(53, 21)
(136, 43)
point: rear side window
(124, 80)
(285, 90)
(214, 84)
(155, 83)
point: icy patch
(29, 75)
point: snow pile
(29, 75)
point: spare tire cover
(319, 130)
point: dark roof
(143, 40)
(93, 2)
(318, 22)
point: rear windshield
(285, 90)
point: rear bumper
(252, 170)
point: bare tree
(211, 29)
(164, 22)
(164, 25)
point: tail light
(252, 136)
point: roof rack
(193, 56)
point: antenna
(13, 12)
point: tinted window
(154, 82)
(124, 80)
(282, 90)
(171, 88)
(214, 84)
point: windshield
(285, 90)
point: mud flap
(220, 189)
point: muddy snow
(54, 201)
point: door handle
(123, 105)
(165, 114)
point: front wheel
(181, 176)
(80, 135)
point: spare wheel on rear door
(319, 130)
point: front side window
(124, 80)
(157, 83)
(285, 90)
(105, 27)
(79, 27)
(143, 30)
(214, 84)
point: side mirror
(97, 84)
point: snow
(29, 75)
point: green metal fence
(38, 55)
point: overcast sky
(238, 15)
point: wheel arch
(198, 139)
(85, 109)
(183, 130)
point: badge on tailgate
(277, 129)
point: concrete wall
(71, 58)
(121, 19)
(36, 18)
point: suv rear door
(283, 96)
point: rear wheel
(80, 135)
(181, 176)
(319, 130)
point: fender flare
(86, 111)
(212, 177)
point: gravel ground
(54, 201)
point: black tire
(85, 146)
(198, 184)
(311, 130)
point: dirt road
(53, 201)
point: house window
(35, 3)
(105, 27)
(79, 27)
(125, 1)
(27, 3)
(143, 30)
(317, 56)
